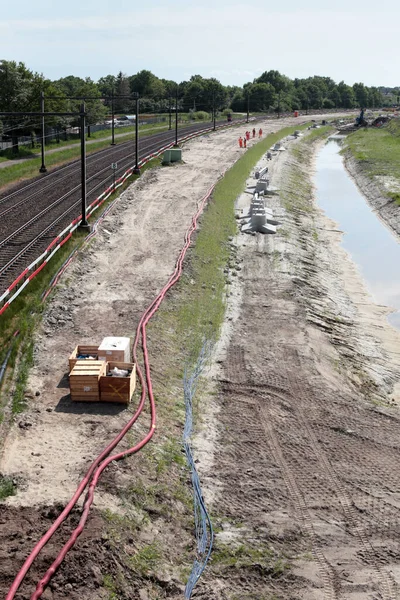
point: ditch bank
(376, 189)
(305, 386)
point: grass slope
(30, 167)
(378, 152)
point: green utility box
(176, 154)
(166, 157)
(172, 155)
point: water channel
(372, 246)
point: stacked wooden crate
(84, 380)
(115, 349)
(118, 389)
(91, 380)
(88, 352)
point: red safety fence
(39, 263)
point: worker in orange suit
(247, 135)
(260, 133)
(240, 142)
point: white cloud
(235, 44)
(262, 22)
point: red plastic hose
(101, 462)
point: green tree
(15, 80)
(328, 103)
(376, 98)
(334, 95)
(279, 82)
(361, 94)
(194, 91)
(147, 85)
(347, 98)
(238, 102)
(83, 88)
(106, 86)
(122, 88)
(315, 95)
(262, 96)
(20, 90)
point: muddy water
(369, 242)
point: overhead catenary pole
(176, 116)
(214, 107)
(82, 115)
(43, 167)
(248, 106)
(84, 224)
(170, 114)
(136, 170)
(112, 119)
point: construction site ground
(297, 441)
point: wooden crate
(115, 349)
(90, 350)
(118, 389)
(84, 380)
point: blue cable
(203, 525)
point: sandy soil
(108, 288)
(300, 446)
(308, 444)
(104, 293)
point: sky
(230, 40)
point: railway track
(32, 214)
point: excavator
(360, 121)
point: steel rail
(121, 169)
(152, 143)
(92, 158)
(149, 145)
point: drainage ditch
(372, 246)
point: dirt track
(300, 448)
(308, 446)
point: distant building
(127, 118)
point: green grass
(30, 168)
(247, 557)
(395, 196)
(197, 311)
(110, 585)
(147, 559)
(297, 195)
(378, 150)
(24, 152)
(170, 452)
(7, 488)
(18, 401)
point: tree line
(20, 90)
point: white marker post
(114, 167)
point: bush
(327, 103)
(201, 115)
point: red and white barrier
(33, 269)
